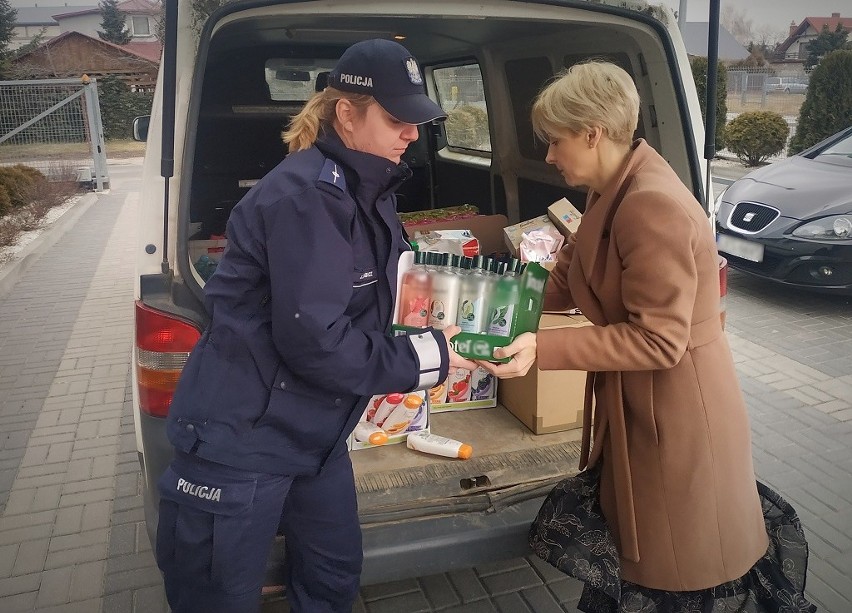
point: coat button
(190, 427)
(283, 385)
(337, 402)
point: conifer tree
(8, 15)
(113, 23)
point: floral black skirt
(571, 534)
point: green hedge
(119, 105)
(17, 185)
(828, 103)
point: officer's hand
(456, 361)
(522, 351)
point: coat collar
(601, 208)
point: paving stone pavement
(72, 534)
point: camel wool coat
(670, 425)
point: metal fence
(761, 89)
(54, 125)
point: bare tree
(738, 23)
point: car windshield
(838, 153)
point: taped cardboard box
(548, 401)
(488, 229)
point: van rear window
(295, 80)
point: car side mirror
(140, 128)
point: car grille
(751, 217)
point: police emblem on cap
(413, 71)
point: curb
(11, 272)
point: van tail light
(723, 289)
(163, 343)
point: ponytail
(319, 111)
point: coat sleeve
(311, 264)
(656, 241)
(557, 296)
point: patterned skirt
(571, 534)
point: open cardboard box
(547, 400)
(487, 228)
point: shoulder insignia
(332, 174)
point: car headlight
(718, 201)
(835, 227)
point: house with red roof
(794, 48)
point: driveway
(71, 524)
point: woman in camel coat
(669, 504)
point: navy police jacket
(301, 306)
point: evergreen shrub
(756, 135)
(828, 103)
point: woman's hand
(457, 361)
(522, 350)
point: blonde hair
(588, 95)
(318, 111)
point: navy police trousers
(217, 525)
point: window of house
(462, 96)
(139, 25)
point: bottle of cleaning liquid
(402, 415)
(414, 295)
(365, 432)
(446, 283)
(473, 298)
(386, 407)
(504, 301)
(438, 445)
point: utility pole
(681, 15)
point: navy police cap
(386, 71)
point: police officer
(300, 306)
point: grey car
(791, 221)
(785, 85)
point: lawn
(68, 151)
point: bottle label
(438, 315)
(470, 314)
(415, 313)
(500, 320)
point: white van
(253, 67)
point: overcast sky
(777, 14)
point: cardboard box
(464, 389)
(564, 216)
(548, 400)
(458, 242)
(205, 255)
(420, 423)
(488, 229)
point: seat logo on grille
(748, 217)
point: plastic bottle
(414, 295)
(370, 433)
(402, 415)
(446, 284)
(386, 407)
(473, 298)
(438, 445)
(505, 296)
